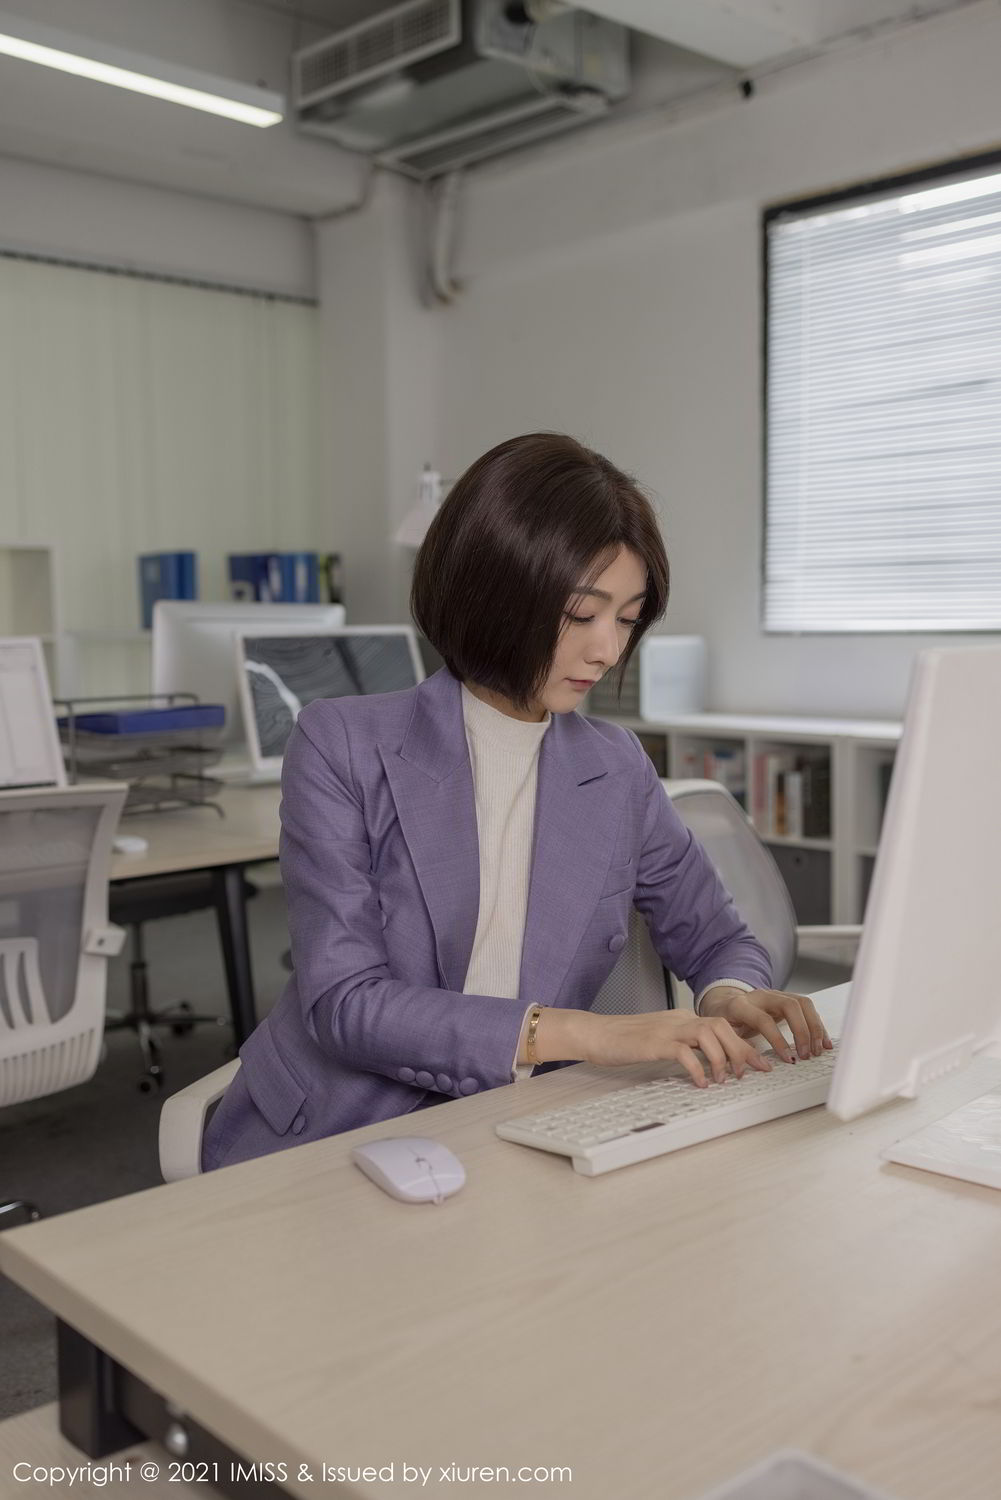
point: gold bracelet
(533, 1026)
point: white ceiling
(53, 118)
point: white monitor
(193, 646)
(283, 668)
(926, 989)
(29, 746)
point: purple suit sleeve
(694, 924)
(352, 1006)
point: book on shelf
(792, 794)
(655, 746)
(722, 763)
(165, 575)
(725, 764)
(275, 577)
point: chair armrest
(182, 1122)
(829, 932)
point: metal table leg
(104, 1408)
(231, 913)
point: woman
(460, 858)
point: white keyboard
(648, 1119)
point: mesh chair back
(638, 982)
(744, 865)
(55, 849)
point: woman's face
(595, 632)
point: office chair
(639, 983)
(55, 940)
(134, 902)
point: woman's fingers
(762, 1009)
(720, 1045)
(741, 1054)
(716, 1039)
(818, 1034)
(805, 1024)
(768, 1028)
(686, 1057)
(710, 1045)
(792, 1009)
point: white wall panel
(142, 416)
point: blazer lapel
(580, 798)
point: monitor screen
(924, 994)
(281, 671)
(193, 646)
(29, 748)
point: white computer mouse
(411, 1168)
(130, 843)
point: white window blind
(883, 482)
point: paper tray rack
(164, 767)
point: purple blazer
(380, 861)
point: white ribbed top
(504, 755)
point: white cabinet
(815, 790)
(29, 601)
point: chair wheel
(182, 1028)
(154, 1076)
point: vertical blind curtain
(139, 415)
(883, 482)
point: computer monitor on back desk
(193, 651)
(925, 994)
(282, 669)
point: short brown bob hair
(532, 521)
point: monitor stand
(237, 769)
(965, 1144)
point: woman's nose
(604, 646)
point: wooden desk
(656, 1329)
(197, 838)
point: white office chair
(55, 939)
(638, 983)
(183, 1117)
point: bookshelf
(814, 789)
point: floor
(99, 1141)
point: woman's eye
(586, 620)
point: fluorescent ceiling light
(143, 75)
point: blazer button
(298, 1124)
(468, 1086)
(444, 1083)
(616, 942)
(425, 1080)
(407, 1075)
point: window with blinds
(883, 409)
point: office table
(197, 838)
(656, 1330)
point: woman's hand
(672, 1035)
(757, 1012)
